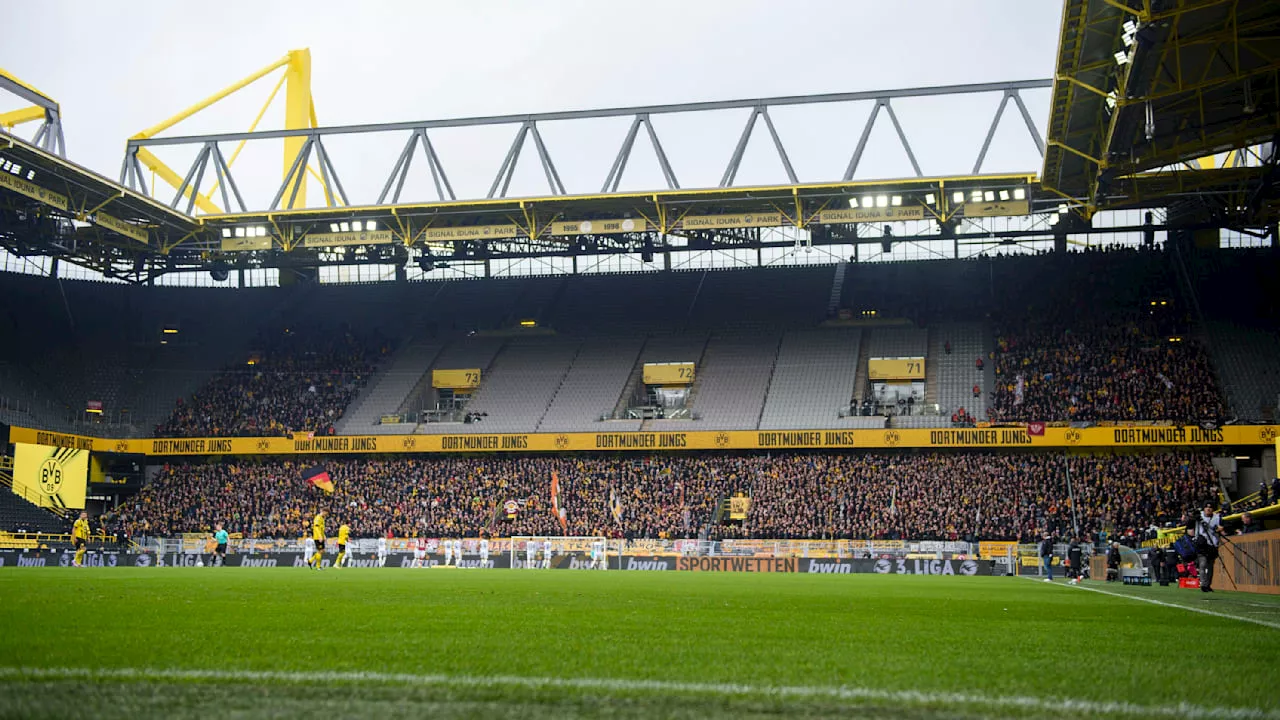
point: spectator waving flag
(556, 510)
(319, 477)
(615, 506)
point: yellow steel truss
(300, 114)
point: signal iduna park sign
(992, 437)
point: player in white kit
(382, 551)
(531, 549)
(447, 546)
(457, 553)
(484, 552)
(546, 555)
(308, 548)
(598, 561)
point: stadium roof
(1148, 86)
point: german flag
(319, 477)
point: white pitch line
(912, 697)
(1188, 608)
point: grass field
(274, 642)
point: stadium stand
(524, 377)
(18, 515)
(954, 495)
(731, 383)
(591, 387)
(956, 371)
(812, 380)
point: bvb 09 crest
(50, 476)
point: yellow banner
(456, 379)
(611, 226)
(676, 373)
(992, 549)
(997, 209)
(709, 222)
(343, 239)
(861, 215)
(34, 191)
(116, 225)
(994, 437)
(896, 368)
(471, 232)
(242, 244)
(51, 477)
(739, 507)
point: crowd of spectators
(295, 382)
(965, 496)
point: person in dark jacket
(1113, 562)
(1046, 556)
(1074, 556)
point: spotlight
(370, 225)
(975, 196)
(1004, 196)
(882, 201)
(239, 232)
(346, 227)
(1019, 194)
(853, 203)
(896, 200)
(1122, 57)
(989, 196)
(957, 197)
(226, 232)
(333, 227)
(930, 199)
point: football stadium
(717, 359)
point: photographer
(1206, 539)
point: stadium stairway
(956, 372)
(472, 351)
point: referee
(220, 538)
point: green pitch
(282, 643)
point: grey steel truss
(48, 136)
(528, 125)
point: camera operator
(1207, 528)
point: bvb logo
(122, 446)
(1267, 434)
(50, 477)
(410, 443)
(722, 440)
(892, 438)
(263, 445)
(1072, 436)
(562, 442)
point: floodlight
(882, 201)
(896, 200)
(1122, 57)
(868, 202)
(370, 225)
(333, 227)
(989, 196)
(239, 232)
(1019, 194)
(1004, 196)
(346, 227)
(957, 197)
(930, 199)
(975, 196)
(262, 231)
(226, 232)
(853, 203)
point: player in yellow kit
(80, 538)
(317, 534)
(344, 533)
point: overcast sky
(117, 68)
